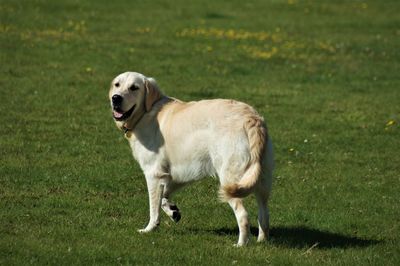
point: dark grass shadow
(304, 237)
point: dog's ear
(153, 93)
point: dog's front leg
(168, 207)
(171, 210)
(155, 188)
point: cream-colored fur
(179, 142)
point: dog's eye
(133, 87)
(116, 84)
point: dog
(178, 142)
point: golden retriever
(178, 142)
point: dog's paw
(171, 210)
(148, 229)
(143, 231)
(261, 239)
(241, 243)
(176, 216)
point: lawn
(324, 74)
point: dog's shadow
(304, 237)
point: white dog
(179, 142)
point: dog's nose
(116, 99)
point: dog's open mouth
(119, 115)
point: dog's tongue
(117, 114)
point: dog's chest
(151, 158)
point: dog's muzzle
(118, 113)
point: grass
(324, 74)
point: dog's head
(131, 94)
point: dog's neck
(129, 126)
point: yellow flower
(390, 123)
(143, 30)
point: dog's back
(215, 137)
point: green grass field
(325, 74)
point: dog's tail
(257, 136)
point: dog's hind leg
(262, 194)
(263, 215)
(242, 220)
